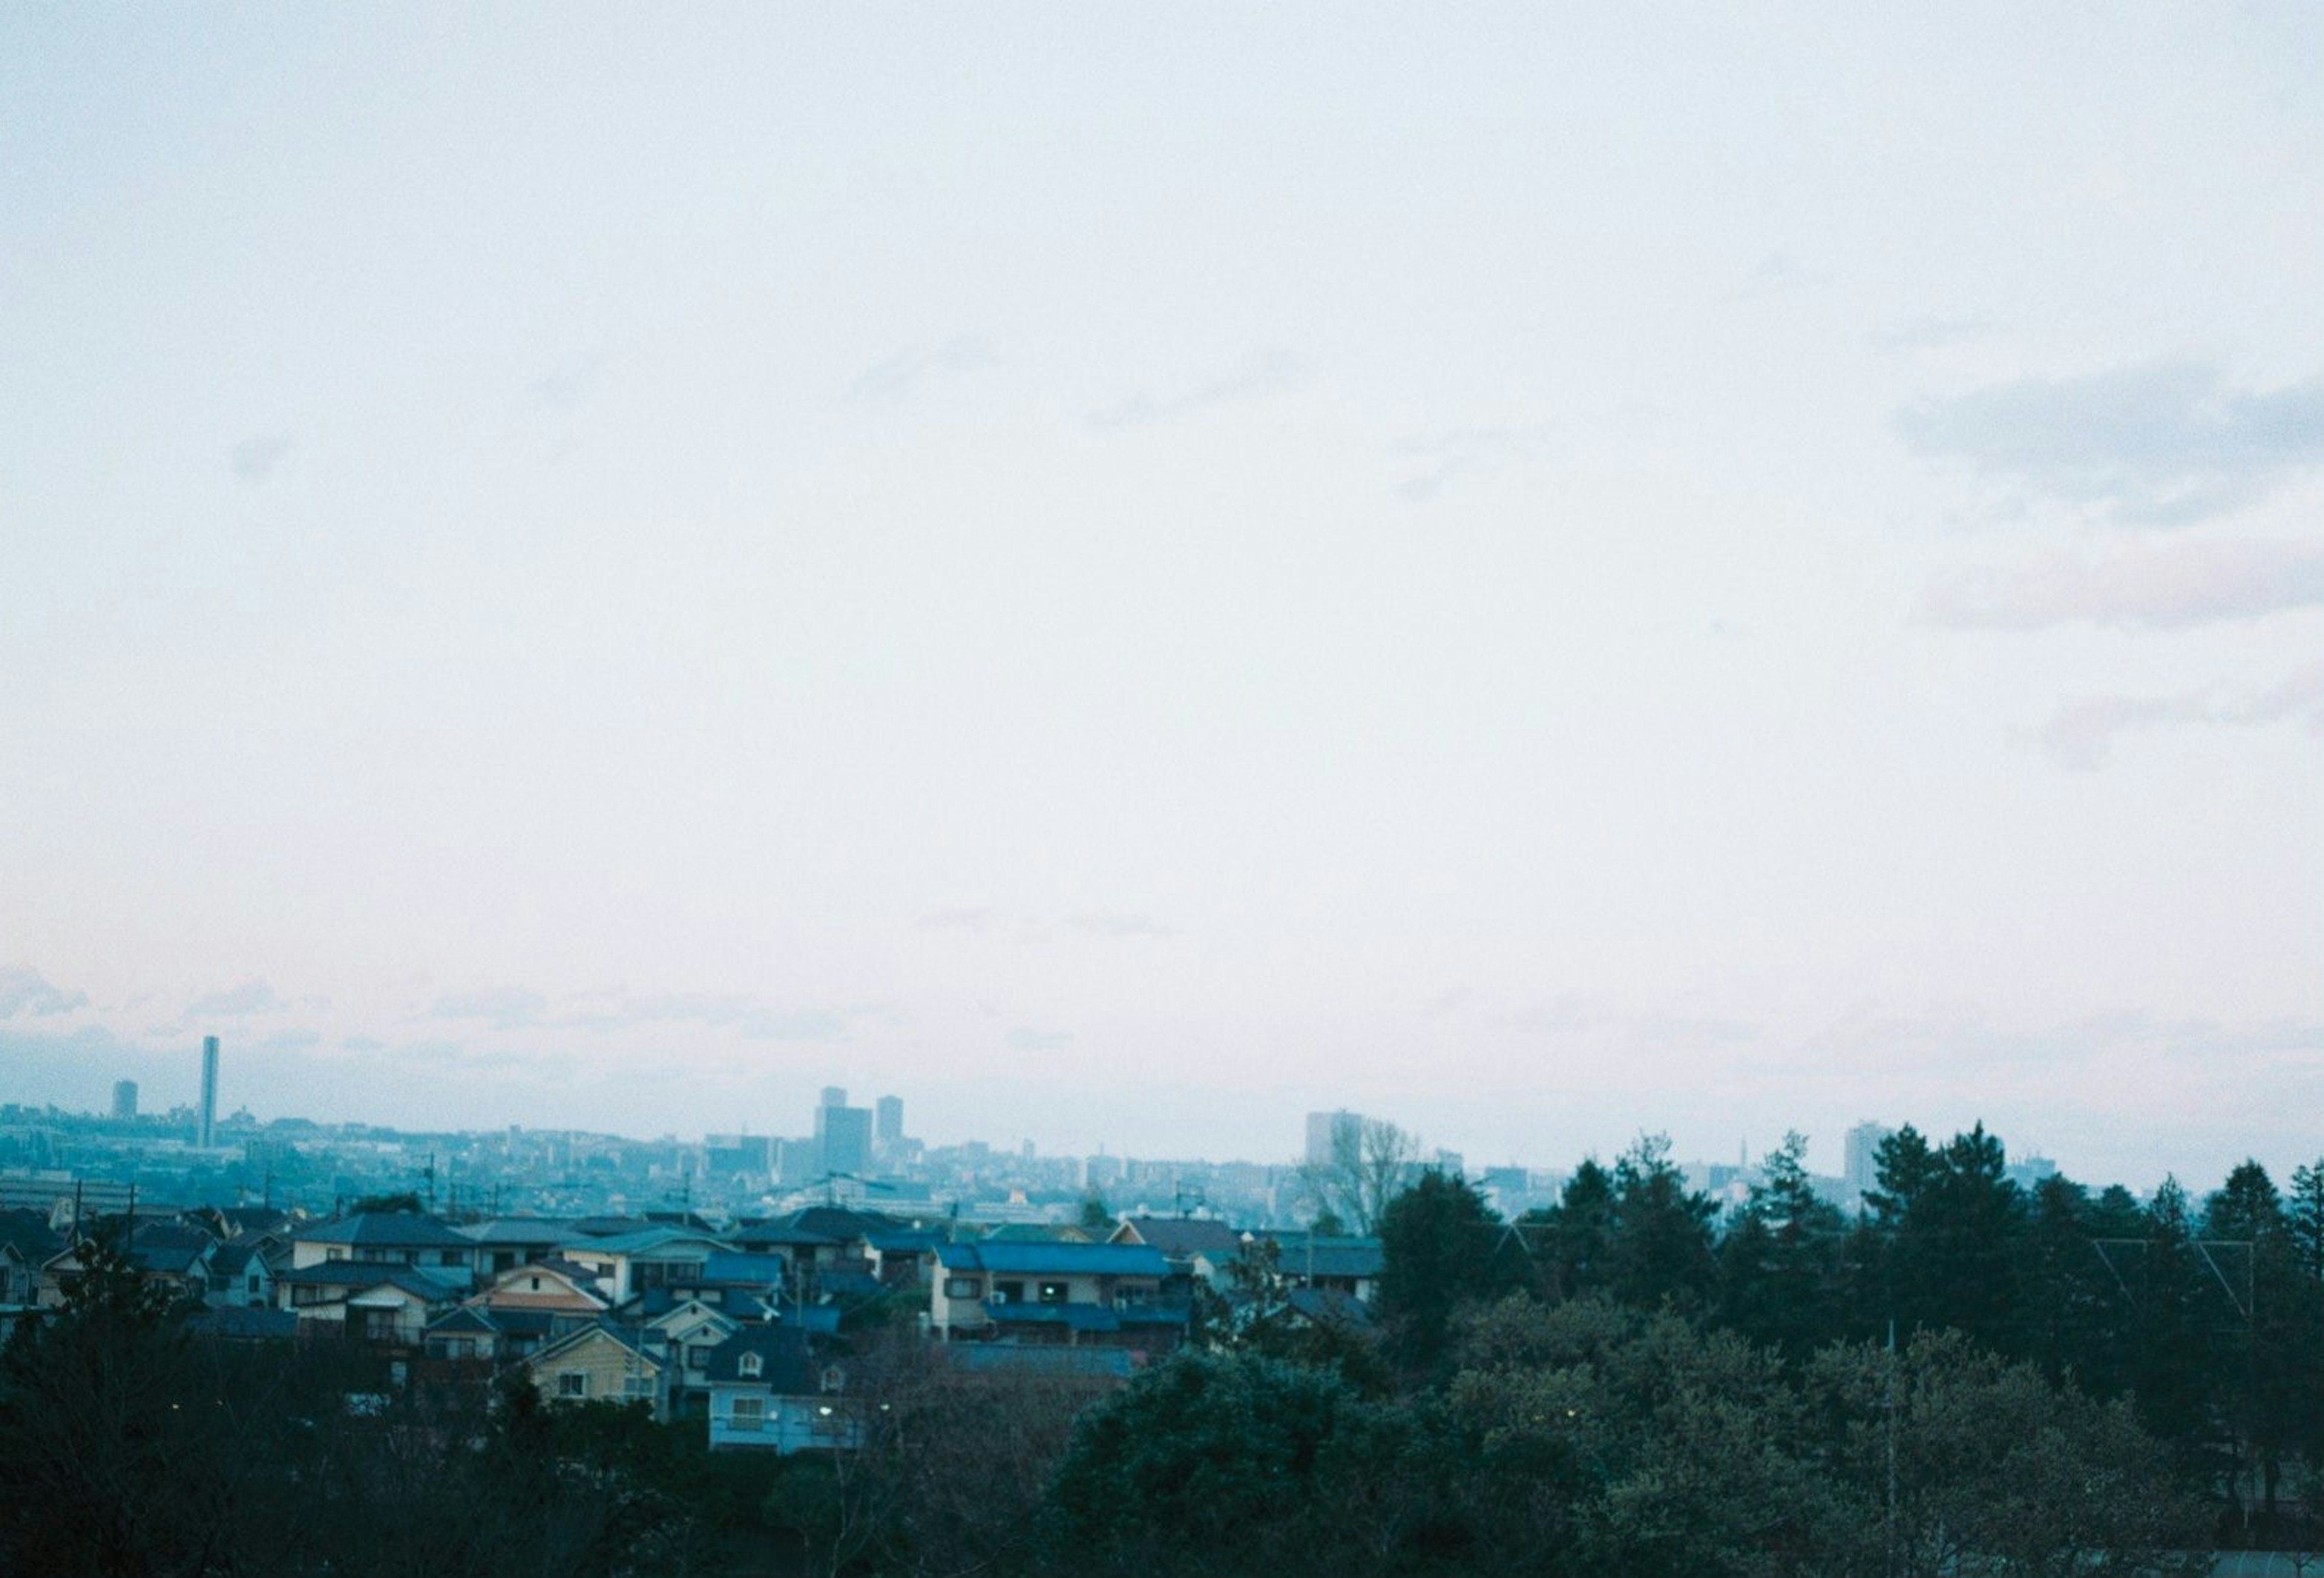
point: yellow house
(603, 1363)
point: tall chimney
(208, 1134)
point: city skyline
(1545, 574)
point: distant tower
(1862, 1174)
(887, 1121)
(124, 1100)
(835, 1095)
(1331, 1136)
(208, 1132)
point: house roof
(788, 1363)
(544, 1232)
(1180, 1237)
(647, 1241)
(379, 1230)
(1059, 1259)
(466, 1320)
(230, 1260)
(242, 1219)
(361, 1274)
(28, 1231)
(1330, 1257)
(1043, 1233)
(167, 1247)
(907, 1240)
(782, 1233)
(630, 1337)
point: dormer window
(751, 1366)
(834, 1378)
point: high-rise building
(887, 1122)
(842, 1134)
(124, 1100)
(1330, 1134)
(207, 1134)
(1862, 1167)
(834, 1096)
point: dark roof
(788, 1361)
(464, 1320)
(1086, 1317)
(28, 1230)
(230, 1260)
(1180, 1237)
(646, 1241)
(731, 1269)
(375, 1229)
(241, 1219)
(782, 1233)
(1329, 1306)
(907, 1240)
(1330, 1257)
(167, 1247)
(371, 1274)
(1064, 1260)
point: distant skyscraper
(1330, 1131)
(834, 1096)
(208, 1132)
(1863, 1163)
(887, 1121)
(843, 1136)
(124, 1100)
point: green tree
(1659, 1247)
(1780, 1262)
(1442, 1248)
(1573, 1235)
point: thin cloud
(1266, 371)
(507, 1007)
(2162, 444)
(250, 997)
(1027, 1039)
(1116, 928)
(2167, 588)
(900, 374)
(569, 385)
(957, 917)
(25, 990)
(254, 459)
(746, 1015)
(2082, 736)
(1448, 457)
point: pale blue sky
(1542, 572)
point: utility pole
(1892, 1447)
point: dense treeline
(1970, 1377)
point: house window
(572, 1383)
(451, 1257)
(335, 1253)
(1054, 1292)
(251, 1283)
(746, 1413)
(749, 1364)
(1009, 1293)
(637, 1386)
(962, 1287)
(834, 1378)
(536, 1283)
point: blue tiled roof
(1061, 1260)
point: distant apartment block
(1331, 1134)
(124, 1100)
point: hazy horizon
(1543, 574)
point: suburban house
(1331, 1263)
(1197, 1248)
(770, 1391)
(603, 1363)
(629, 1263)
(383, 1238)
(240, 1278)
(391, 1304)
(688, 1330)
(510, 1241)
(1055, 1292)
